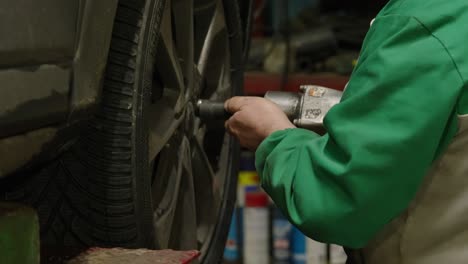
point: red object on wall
(258, 83)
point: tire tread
(86, 196)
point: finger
(232, 105)
(226, 126)
(236, 103)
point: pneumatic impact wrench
(306, 109)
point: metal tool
(306, 109)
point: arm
(396, 115)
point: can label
(298, 246)
(256, 237)
(316, 252)
(231, 251)
(281, 236)
(337, 255)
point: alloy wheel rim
(188, 157)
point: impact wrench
(305, 109)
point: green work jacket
(397, 116)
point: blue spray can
(298, 245)
(282, 231)
(231, 251)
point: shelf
(258, 83)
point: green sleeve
(396, 115)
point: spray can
(337, 255)
(256, 228)
(316, 252)
(298, 247)
(231, 251)
(282, 231)
(247, 181)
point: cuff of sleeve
(271, 142)
(267, 146)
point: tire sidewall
(146, 61)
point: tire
(98, 193)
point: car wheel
(147, 172)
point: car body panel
(37, 32)
(91, 55)
(52, 58)
(23, 106)
(21, 151)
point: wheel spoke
(203, 11)
(214, 52)
(184, 236)
(207, 195)
(216, 27)
(162, 126)
(174, 195)
(184, 36)
(224, 158)
(222, 89)
(165, 190)
(168, 63)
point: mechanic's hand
(254, 119)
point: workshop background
(294, 42)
